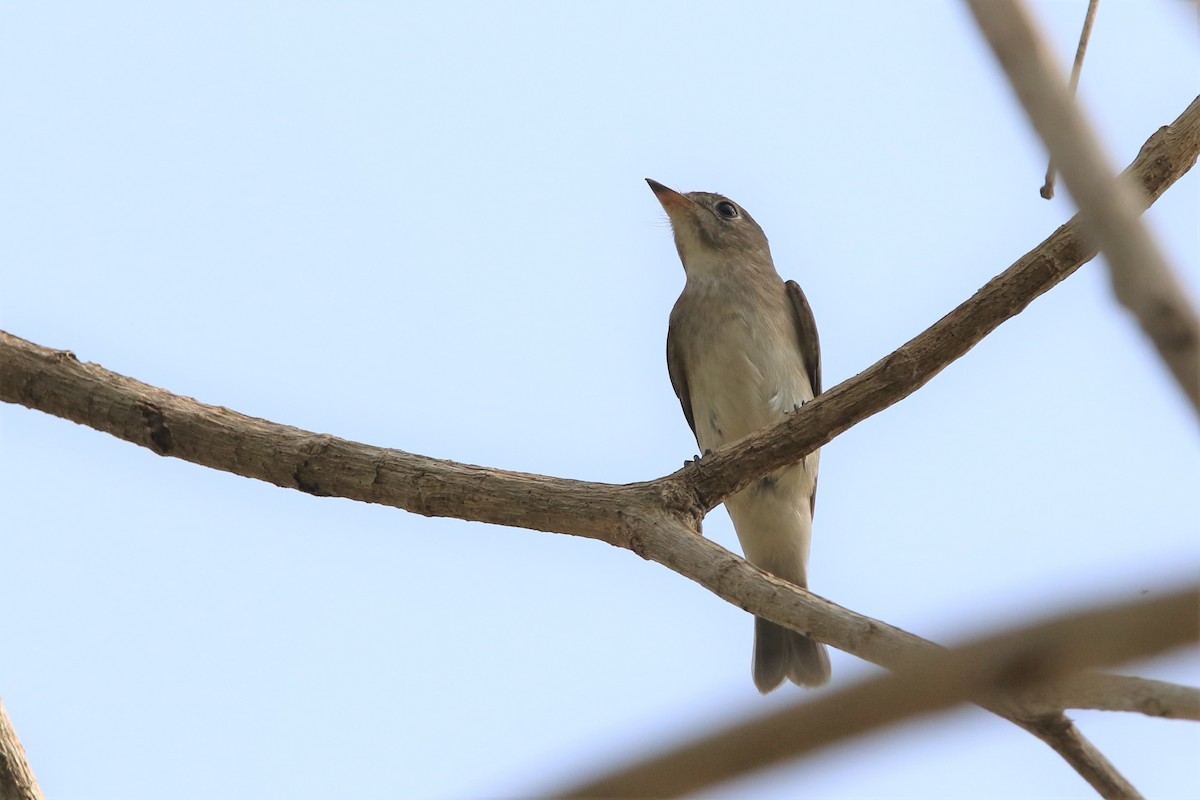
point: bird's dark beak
(672, 201)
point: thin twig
(1047, 190)
(1142, 280)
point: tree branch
(930, 682)
(1142, 280)
(16, 778)
(1083, 756)
(1101, 692)
(56, 382)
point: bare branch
(1083, 756)
(1089, 19)
(16, 778)
(930, 682)
(1100, 692)
(1142, 280)
(56, 382)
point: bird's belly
(740, 387)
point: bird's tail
(781, 653)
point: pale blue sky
(425, 227)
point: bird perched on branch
(742, 352)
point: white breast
(745, 375)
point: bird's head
(711, 231)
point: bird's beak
(672, 201)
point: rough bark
(16, 777)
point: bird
(742, 353)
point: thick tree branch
(56, 382)
(930, 682)
(1142, 280)
(16, 778)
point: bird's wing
(806, 332)
(810, 350)
(678, 373)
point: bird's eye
(727, 209)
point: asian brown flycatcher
(742, 352)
